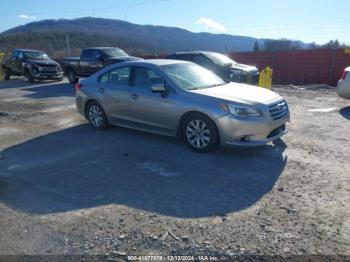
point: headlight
(243, 111)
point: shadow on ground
(42, 89)
(81, 168)
(345, 112)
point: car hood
(240, 93)
(243, 67)
(41, 62)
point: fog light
(246, 138)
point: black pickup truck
(33, 64)
(92, 60)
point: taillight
(343, 76)
(78, 86)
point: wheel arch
(187, 114)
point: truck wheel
(29, 76)
(6, 73)
(73, 79)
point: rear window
(118, 76)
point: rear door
(113, 94)
(16, 62)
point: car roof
(155, 62)
(101, 47)
(193, 52)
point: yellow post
(265, 78)
(2, 55)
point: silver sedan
(182, 99)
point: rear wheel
(6, 73)
(73, 79)
(200, 133)
(96, 116)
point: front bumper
(250, 132)
(44, 76)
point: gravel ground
(66, 189)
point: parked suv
(33, 64)
(92, 60)
(223, 66)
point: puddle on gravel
(323, 110)
(159, 169)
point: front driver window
(146, 78)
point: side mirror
(158, 88)
(16, 57)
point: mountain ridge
(156, 38)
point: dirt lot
(67, 189)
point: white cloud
(27, 17)
(211, 24)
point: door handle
(101, 90)
(134, 96)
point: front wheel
(200, 133)
(6, 73)
(73, 79)
(96, 116)
(29, 76)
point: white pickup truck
(343, 87)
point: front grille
(48, 69)
(278, 110)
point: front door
(152, 111)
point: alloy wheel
(96, 116)
(198, 134)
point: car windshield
(190, 76)
(35, 55)
(220, 59)
(113, 52)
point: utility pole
(68, 46)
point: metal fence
(323, 66)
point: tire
(96, 116)
(29, 76)
(6, 74)
(200, 133)
(73, 79)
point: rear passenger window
(119, 76)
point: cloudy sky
(305, 20)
